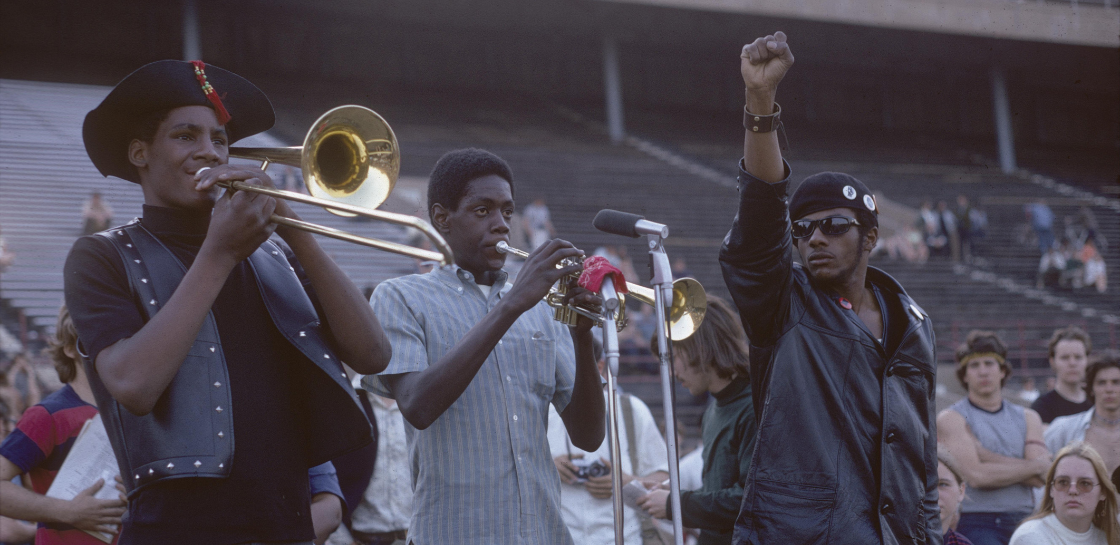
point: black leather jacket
(847, 448)
(190, 432)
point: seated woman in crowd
(1079, 504)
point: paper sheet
(91, 458)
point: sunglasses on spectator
(831, 226)
(1084, 486)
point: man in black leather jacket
(842, 360)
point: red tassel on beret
(219, 108)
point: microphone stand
(610, 350)
(663, 292)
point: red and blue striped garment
(40, 443)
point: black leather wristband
(762, 123)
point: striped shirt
(482, 472)
(39, 445)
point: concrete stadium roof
(1036, 21)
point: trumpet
(350, 161)
(685, 313)
(568, 314)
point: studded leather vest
(189, 432)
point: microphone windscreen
(617, 223)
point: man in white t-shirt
(586, 506)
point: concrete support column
(192, 44)
(612, 84)
(1005, 136)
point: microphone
(627, 225)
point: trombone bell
(350, 161)
(350, 155)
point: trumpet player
(214, 354)
(476, 362)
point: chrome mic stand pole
(610, 350)
(663, 292)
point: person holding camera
(585, 490)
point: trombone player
(214, 354)
(476, 361)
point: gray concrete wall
(1035, 21)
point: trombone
(350, 161)
(686, 312)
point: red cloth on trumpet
(595, 269)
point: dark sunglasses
(832, 226)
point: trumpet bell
(350, 155)
(685, 312)
(690, 303)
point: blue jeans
(989, 528)
(1045, 239)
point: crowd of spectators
(1006, 474)
(1073, 266)
(1038, 476)
(1072, 257)
(942, 231)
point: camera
(586, 469)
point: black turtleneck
(265, 497)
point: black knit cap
(164, 85)
(831, 190)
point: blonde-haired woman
(1079, 504)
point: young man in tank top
(998, 445)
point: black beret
(165, 85)
(831, 190)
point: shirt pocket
(532, 359)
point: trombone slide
(444, 256)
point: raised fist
(764, 62)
